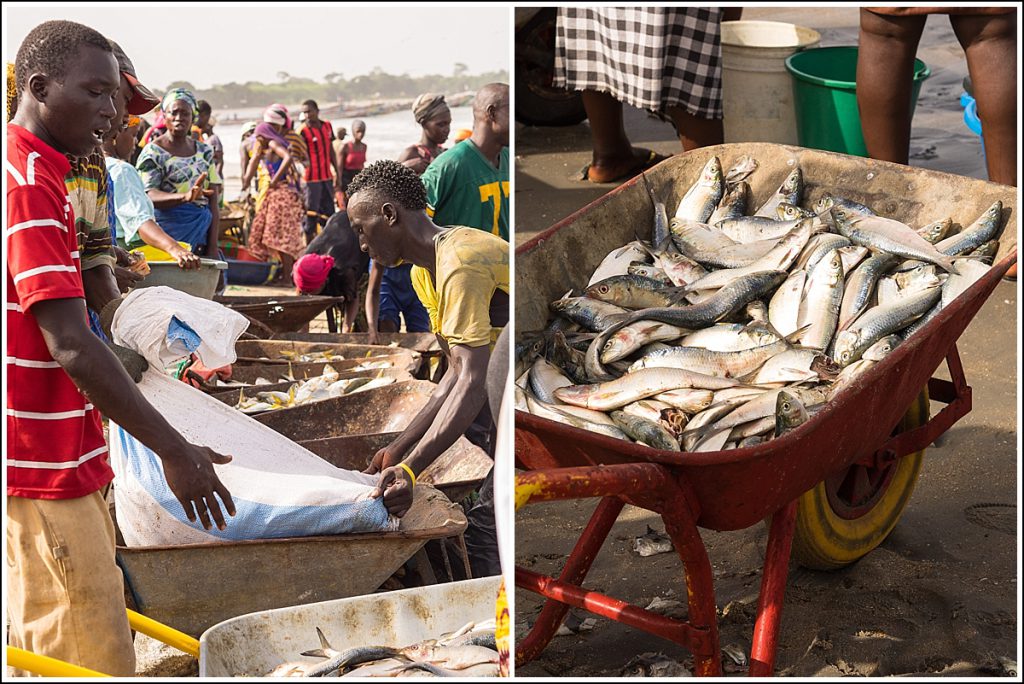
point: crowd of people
(89, 180)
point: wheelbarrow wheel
(847, 515)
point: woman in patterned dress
(277, 228)
(181, 178)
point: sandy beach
(940, 596)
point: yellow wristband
(412, 475)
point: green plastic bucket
(825, 94)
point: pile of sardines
(467, 652)
(739, 320)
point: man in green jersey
(468, 185)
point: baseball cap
(143, 100)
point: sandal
(644, 159)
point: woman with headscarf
(432, 114)
(389, 292)
(181, 178)
(277, 227)
(134, 222)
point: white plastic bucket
(757, 91)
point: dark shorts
(398, 297)
(319, 199)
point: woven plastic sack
(165, 325)
(279, 488)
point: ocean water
(386, 136)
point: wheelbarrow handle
(45, 666)
(162, 633)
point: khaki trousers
(65, 592)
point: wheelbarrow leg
(700, 590)
(576, 568)
(773, 590)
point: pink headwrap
(310, 271)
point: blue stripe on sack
(253, 519)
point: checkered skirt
(649, 57)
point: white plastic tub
(757, 91)
(253, 645)
(198, 283)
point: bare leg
(885, 73)
(351, 311)
(613, 153)
(732, 13)
(693, 131)
(287, 261)
(990, 42)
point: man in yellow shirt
(466, 296)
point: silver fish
(716, 363)
(647, 431)
(882, 348)
(630, 338)
(649, 271)
(790, 191)
(567, 358)
(545, 378)
(686, 400)
(789, 413)
(633, 292)
(734, 203)
(784, 306)
(936, 231)
(592, 314)
(986, 252)
(741, 170)
(823, 296)
(886, 235)
(922, 276)
(680, 269)
(887, 291)
(780, 258)
(877, 322)
(641, 384)
(738, 255)
(660, 231)
(788, 212)
(852, 255)
(817, 247)
(562, 415)
(970, 273)
(754, 228)
(984, 228)
(693, 238)
(860, 285)
(618, 260)
(703, 196)
(793, 366)
(647, 408)
(828, 200)
(723, 303)
(340, 660)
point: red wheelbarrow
(833, 488)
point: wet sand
(939, 596)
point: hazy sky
(212, 43)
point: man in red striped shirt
(65, 592)
(319, 137)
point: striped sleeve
(99, 243)
(39, 260)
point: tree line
(336, 88)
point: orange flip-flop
(646, 159)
